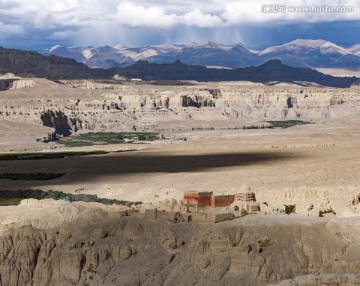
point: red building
(207, 199)
(200, 199)
(222, 201)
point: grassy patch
(46, 155)
(15, 196)
(10, 202)
(30, 176)
(106, 138)
(287, 123)
(76, 143)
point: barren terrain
(228, 146)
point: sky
(41, 24)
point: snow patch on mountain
(301, 53)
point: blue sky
(40, 24)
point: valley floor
(313, 164)
(302, 164)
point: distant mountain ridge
(32, 64)
(298, 53)
(270, 71)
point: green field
(287, 123)
(10, 202)
(46, 155)
(30, 176)
(106, 138)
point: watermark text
(282, 8)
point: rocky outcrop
(130, 251)
(13, 83)
(86, 84)
(354, 200)
(62, 124)
(8, 76)
(197, 102)
(356, 85)
(22, 83)
(325, 208)
(6, 84)
(319, 280)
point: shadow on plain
(138, 163)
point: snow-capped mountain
(355, 49)
(140, 53)
(298, 53)
(306, 46)
(313, 54)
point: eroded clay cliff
(160, 109)
(131, 251)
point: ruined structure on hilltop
(201, 200)
(245, 201)
(207, 199)
(245, 197)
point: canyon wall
(159, 109)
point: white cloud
(10, 30)
(55, 14)
(199, 19)
(133, 15)
(75, 19)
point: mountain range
(269, 72)
(298, 53)
(33, 64)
